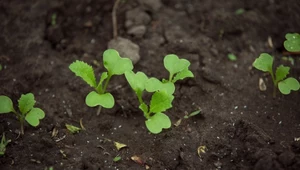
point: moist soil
(240, 127)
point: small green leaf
(136, 81)
(288, 84)
(3, 144)
(26, 102)
(104, 76)
(117, 158)
(144, 108)
(239, 11)
(1, 67)
(6, 105)
(292, 42)
(153, 85)
(281, 72)
(264, 63)
(34, 116)
(158, 122)
(84, 71)
(72, 129)
(115, 64)
(160, 101)
(105, 100)
(231, 57)
(174, 65)
(182, 75)
(192, 114)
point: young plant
(115, 65)
(3, 144)
(265, 63)
(162, 97)
(28, 112)
(292, 42)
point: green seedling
(117, 158)
(3, 144)
(232, 57)
(292, 42)
(53, 19)
(162, 97)
(192, 114)
(115, 65)
(265, 63)
(239, 11)
(73, 129)
(27, 110)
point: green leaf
(34, 116)
(174, 65)
(136, 81)
(231, 57)
(104, 76)
(144, 108)
(288, 84)
(117, 158)
(26, 102)
(182, 75)
(105, 100)
(160, 101)
(281, 72)
(292, 42)
(6, 105)
(72, 129)
(158, 122)
(192, 114)
(239, 11)
(153, 85)
(3, 144)
(115, 64)
(264, 63)
(84, 71)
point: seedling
(72, 129)
(194, 113)
(162, 97)
(117, 158)
(3, 144)
(115, 65)
(27, 110)
(232, 57)
(265, 63)
(292, 42)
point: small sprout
(117, 158)
(1, 67)
(239, 11)
(231, 57)
(292, 42)
(162, 96)
(115, 65)
(265, 63)
(53, 19)
(3, 144)
(72, 129)
(290, 59)
(26, 107)
(192, 114)
(201, 149)
(119, 145)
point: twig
(114, 19)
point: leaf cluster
(114, 64)
(26, 107)
(285, 85)
(162, 97)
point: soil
(240, 126)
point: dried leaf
(81, 124)
(119, 145)
(201, 149)
(137, 159)
(177, 123)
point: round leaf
(174, 65)
(136, 81)
(153, 84)
(115, 64)
(264, 63)
(34, 116)
(6, 105)
(105, 100)
(287, 85)
(158, 122)
(292, 42)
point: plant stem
(104, 89)
(22, 125)
(275, 84)
(114, 19)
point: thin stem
(22, 125)
(275, 84)
(104, 89)
(114, 19)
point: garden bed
(240, 126)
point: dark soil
(241, 126)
